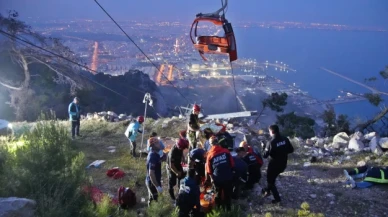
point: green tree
(16, 75)
(381, 118)
(275, 102)
(293, 125)
(334, 123)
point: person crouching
(220, 168)
(188, 200)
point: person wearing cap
(188, 200)
(254, 168)
(220, 168)
(154, 172)
(75, 117)
(193, 127)
(277, 150)
(174, 167)
(131, 133)
(197, 162)
(241, 172)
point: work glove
(159, 189)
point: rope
(234, 87)
(139, 49)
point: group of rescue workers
(212, 167)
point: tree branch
(366, 124)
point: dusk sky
(350, 12)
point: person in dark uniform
(220, 168)
(193, 127)
(241, 172)
(174, 168)
(254, 168)
(277, 150)
(188, 200)
(75, 117)
(197, 162)
(154, 172)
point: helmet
(196, 108)
(140, 119)
(244, 144)
(213, 140)
(182, 143)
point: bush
(42, 165)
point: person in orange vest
(220, 168)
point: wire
(234, 87)
(139, 49)
(69, 60)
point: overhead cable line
(69, 60)
(140, 49)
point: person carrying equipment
(174, 168)
(193, 127)
(254, 167)
(197, 159)
(154, 172)
(220, 168)
(188, 200)
(132, 131)
(277, 149)
(241, 172)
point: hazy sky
(351, 12)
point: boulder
(357, 135)
(374, 147)
(384, 142)
(14, 206)
(309, 142)
(369, 136)
(341, 140)
(356, 144)
(110, 113)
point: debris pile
(107, 116)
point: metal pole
(146, 98)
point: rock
(313, 195)
(361, 163)
(309, 142)
(384, 142)
(330, 195)
(356, 145)
(295, 142)
(374, 146)
(357, 135)
(378, 160)
(164, 125)
(14, 206)
(332, 202)
(367, 159)
(369, 136)
(341, 140)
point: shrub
(42, 165)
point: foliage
(43, 166)
(234, 212)
(275, 102)
(293, 125)
(305, 211)
(335, 124)
(384, 73)
(374, 98)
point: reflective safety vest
(377, 175)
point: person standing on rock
(75, 117)
(132, 131)
(154, 172)
(174, 167)
(277, 149)
(193, 127)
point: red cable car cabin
(214, 44)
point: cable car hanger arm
(215, 14)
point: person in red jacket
(249, 150)
(220, 168)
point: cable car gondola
(214, 44)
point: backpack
(126, 197)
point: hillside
(320, 184)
